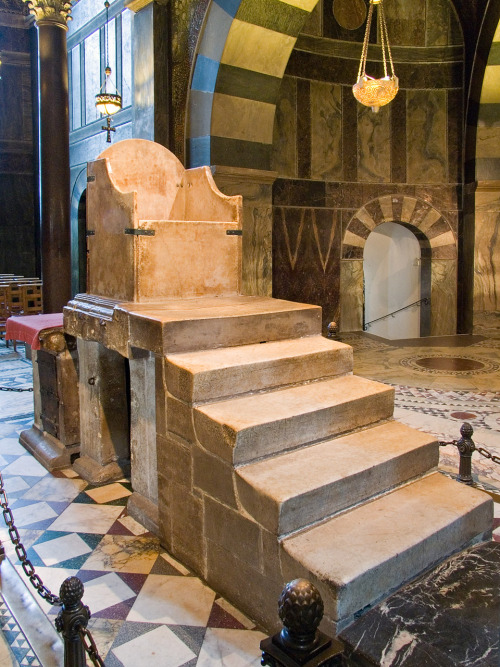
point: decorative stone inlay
(350, 14)
(441, 364)
(463, 415)
(50, 11)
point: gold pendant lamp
(376, 93)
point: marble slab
(447, 618)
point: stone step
(196, 377)
(362, 555)
(291, 491)
(244, 429)
(204, 323)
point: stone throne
(256, 455)
(157, 230)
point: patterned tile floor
(147, 608)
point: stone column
(257, 189)
(51, 18)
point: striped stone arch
(240, 61)
(438, 267)
(425, 220)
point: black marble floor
(449, 617)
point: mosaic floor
(147, 608)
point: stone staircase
(288, 465)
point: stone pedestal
(54, 438)
(104, 428)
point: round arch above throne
(241, 58)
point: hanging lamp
(108, 100)
(371, 92)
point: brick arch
(240, 61)
(439, 260)
(426, 222)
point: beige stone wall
(487, 248)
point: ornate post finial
(72, 619)
(50, 11)
(300, 643)
(466, 447)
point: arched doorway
(438, 266)
(392, 280)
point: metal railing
(424, 301)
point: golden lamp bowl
(375, 93)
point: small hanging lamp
(108, 100)
(372, 92)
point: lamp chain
(382, 36)
(386, 33)
(106, 48)
(364, 53)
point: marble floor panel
(147, 607)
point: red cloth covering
(27, 327)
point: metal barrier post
(72, 618)
(300, 643)
(466, 447)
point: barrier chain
(466, 448)
(488, 455)
(90, 647)
(73, 616)
(27, 565)
(17, 389)
(481, 450)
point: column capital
(55, 12)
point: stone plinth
(54, 438)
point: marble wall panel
(406, 22)
(427, 129)
(487, 260)
(455, 117)
(374, 145)
(284, 158)
(398, 138)
(443, 297)
(349, 134)
(288, 192)
(303, 128)
(351, 289)
(326, 131)
(257, 257)
(314, 24)
(306, 258)
(437, 25)
(488, 142)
